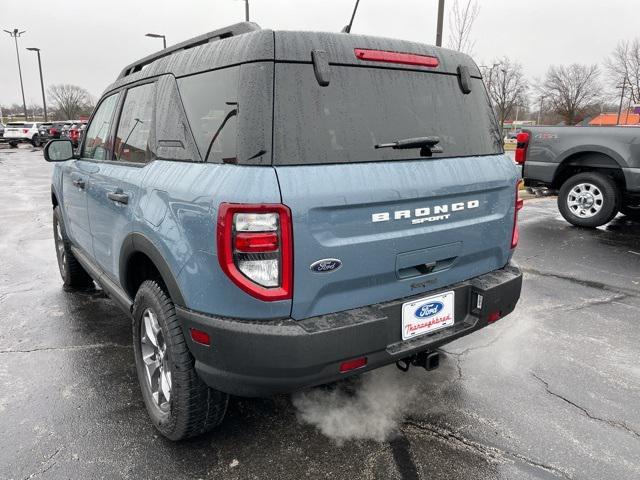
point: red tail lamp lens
(521, 147)
(494, 316)
(256, 242)
(353, 364)
(200, 337)
(255, 248)
(396, 57)
(515, 235)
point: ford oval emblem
(429, 309)
(326, 265)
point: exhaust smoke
(368, 407)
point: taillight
(521, 148)
(396, 57)
(255, 248)
(515, 235)
(25, 130)
(53, 131)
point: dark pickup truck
(596, 170)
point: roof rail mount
(215, 35)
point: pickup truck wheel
(589, 199)
(631, 211)
(179, 403)
(73, 275)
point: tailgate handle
(425, 268)
(427, 260)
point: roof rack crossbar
(215, 35)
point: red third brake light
(521, 148)
(255, 248)
(515, 235)
(396, 57)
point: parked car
(73, 131)
(51, 130)
(315, 233)
(22, 132)
(596, 170)
(66, 127)
(1, 132)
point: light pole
(44, 101)
(246, 10)
(540, 111)
(440, 22)
(157, 35)
(15, 35)
(624, 83)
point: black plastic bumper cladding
(262, 358)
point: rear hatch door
(372, 225)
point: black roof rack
(226, 32)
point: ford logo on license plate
(428, 309)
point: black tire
(74, 277)
(35, 141)
(631, 211)
(13, 144)
(606, 208)
(192, 408)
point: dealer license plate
(427, 315)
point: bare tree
(70, 101)
(624, 63)
(462, 17)
(507, 87)
(570, 90)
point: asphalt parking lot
(549, 392)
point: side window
(134, 128)
(96, 142)
(211, 102)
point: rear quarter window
(363, 106)
(210, 101)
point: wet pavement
(549, 392)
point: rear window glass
(211, 103)
(363, 107)
(19, 124)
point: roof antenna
(347, 28)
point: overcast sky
(88, 42)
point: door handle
(78, 182)
(118, 197)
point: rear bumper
(262, 358)
(16, 139)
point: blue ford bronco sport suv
(278, 210)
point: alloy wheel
(60, 251)
(156, 360)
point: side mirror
(58, 151)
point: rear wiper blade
(427, 145)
